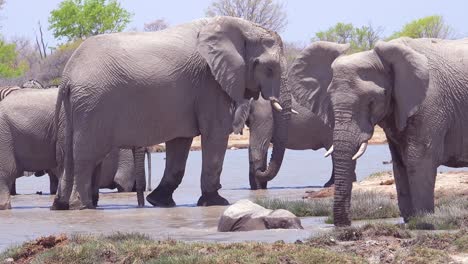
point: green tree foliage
(426, 27)
(9, 66)
(267, 13)
(78, 19)
(360, 38)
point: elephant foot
(211, 199)
(5, 205)
(95, 200)
(59, 205)
(161, 198)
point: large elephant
(30, 142)
(309, 74)
(176, 84)
(415, 89)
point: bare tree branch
(267, 13)
(156, 25)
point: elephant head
(387, 85)
(307, 81)
(244, 58)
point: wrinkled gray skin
(118, 166)
(309, 74)
(176, 84)
(245, 215)
(417, 91)
(27, 143)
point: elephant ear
(222, 44)
(240, 116)
(410, 80)
(311, 73)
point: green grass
(137, 248)
(364, 205)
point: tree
(266, 13)
(365, 38)
(78, 19)
(340, 33)
(426, 27)
(156, 25)
(9, 66)
(360, 39)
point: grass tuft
(364, 205)
(449, 213)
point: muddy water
(302, 170)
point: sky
(19, 17)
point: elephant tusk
(277, 106)
(361, 151)
(294, 111)
(329, 152)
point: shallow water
(301, 171)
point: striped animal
(6, 90)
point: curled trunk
(280, 135)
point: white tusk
(361, 151)
(329, 152)
(294, 111)
(277, 106)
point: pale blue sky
(19, 17)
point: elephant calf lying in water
(245, 215)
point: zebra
(6, 90)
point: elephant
(176, 83)
(30, 141)
(414, 89)
(245, 215)
(300, 131)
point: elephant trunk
(148, 156)
(280, 135)
(344, 171)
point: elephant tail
(66, 156)
(148, 156)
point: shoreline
(242, 141)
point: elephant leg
(213, 151)
(6, 182)
(421, 178)
(254, 183)
(53, 182)
(13, 188)
(177, 151)
(82, 194)
(140, 181)
(95, 184)
(401, 182)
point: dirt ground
(242, 141)
(447, 184)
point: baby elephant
(245, 215)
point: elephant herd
(210, 77)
